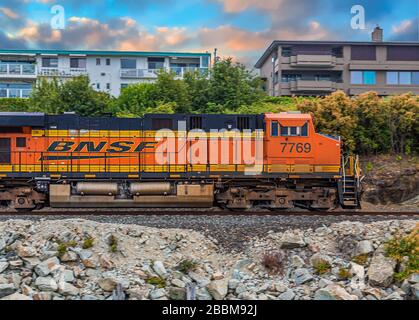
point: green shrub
(344, 274)
(113, 243)
(361, 259)
(322, 267)
(88, 243)
(157, 281)
(187, 265)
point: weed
(404, 249)
(344, 274)
(361, 259)
(113, 243)
(187, 265)
(88, 243)
(369, 166)
(322, 267)
(157, 281)
(62, 249)
(274, 261)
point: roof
(277, 43)
(106, 53)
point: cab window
(294, 131)
(274, 129)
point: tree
(171, 90)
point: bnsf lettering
(89, 146)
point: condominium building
(321, 67)
(108, 71)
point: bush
(322, 267)
(344, 274)
(187, 265)
(274, 261)
(113, 243)
(88, 243)
(361, 259)
(14, 105)
(157, 281)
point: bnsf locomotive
(274, 161)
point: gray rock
(241, 288)
(381, 271)
(91, 298)
(357, 270)
(46, 284)
(324, 283)
(69, 256)
(364, 247)
(201, 280)
(159, 268)
(291, 240)
(16, 297)
(394, 296)
(414, 278)
(31, 263)
(7, 289)
(176, 293)
(67, 289)
(68, 276)
(333, 292)
(297, 262)
(287, 295)
(319, 258)
(233, 283)
(241, 264)
(218, 289)
(46, 267)
(3, 266)
(82, 253)
(178, 283)
(107, 284)
(302, 276)
(203, 294)
(415, 291)
(157, 294)
(2, 244)
(406, 287)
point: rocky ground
(84, 259)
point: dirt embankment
(390, 180)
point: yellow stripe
(90, 176)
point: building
(108, 71)
(321, 67)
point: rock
(106, 262)
(82, 253)
(287, 295)
(107, 284)
(324, 283)
(333, 292)
(27, 291)
(319, 258)
(25, 251)
(69, 256)
(381, 271)
(364, 247)
(3, 266)
(280, 287)
(67, 289)
(176, 293)
(297, 262)
(16, 296)
(241, 264)
(2, 244)
(406, 287)
(159, 268)
(31, 263)
(91, 262)
(203, 294)
(46, 267)
(302, 276)
(68, 276)
(42, 296)
(393, 296)
(46, 284)
(357, 270)
(291, 240)
(376, 293)
(415, 291)
(157, 294)
(218, 289)
(233, 283)
(15, 264)
(7, 289)
(217, 276)
(178, 283)
(201, 280)
(414, 278)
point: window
(158, 124)
(98, 61)
(363, 77)
(392, 78)
(291, 77)
(286, 52)
(294, 131)
(322, 77)
(78, 63)
(108, 62)
(155, 63)
(20, 142)
(124, 85)
(108, 86)
(5, 154)
(415, 78)
(405, 78)
(98, 86)
(49, 62)
(205, 62)
(128, 63)
(243, 123)
(196, 122)
(276, 77)
(274, 129)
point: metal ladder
(351, 183)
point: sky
(241, 29)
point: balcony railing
(15, 93)
(314, 85)
(62, 72)
(313, 60)
(13, 69)
(153, 73)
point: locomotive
(238, 162)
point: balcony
(314, 86)
(314, 60)
(15, 93)
(15, 70)
(62, 72)
(153, 73)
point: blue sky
(238, 28)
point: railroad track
(203, 213)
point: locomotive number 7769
(296, 147)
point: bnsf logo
(88, 146)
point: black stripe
(58, 158)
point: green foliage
(88, 243)
(63, 247)
(113, 243)
(344, 274)
(405, 250)
(14, 104)
(361, 259)
(369, 166)
(322, 267)
(187, 265)
(156, 281)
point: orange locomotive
(274, 161)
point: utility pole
(273, 76)
(215, 56)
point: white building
(108, 71)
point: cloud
(8, 42)
(235, 6)
(9, 13)
(406, 30)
